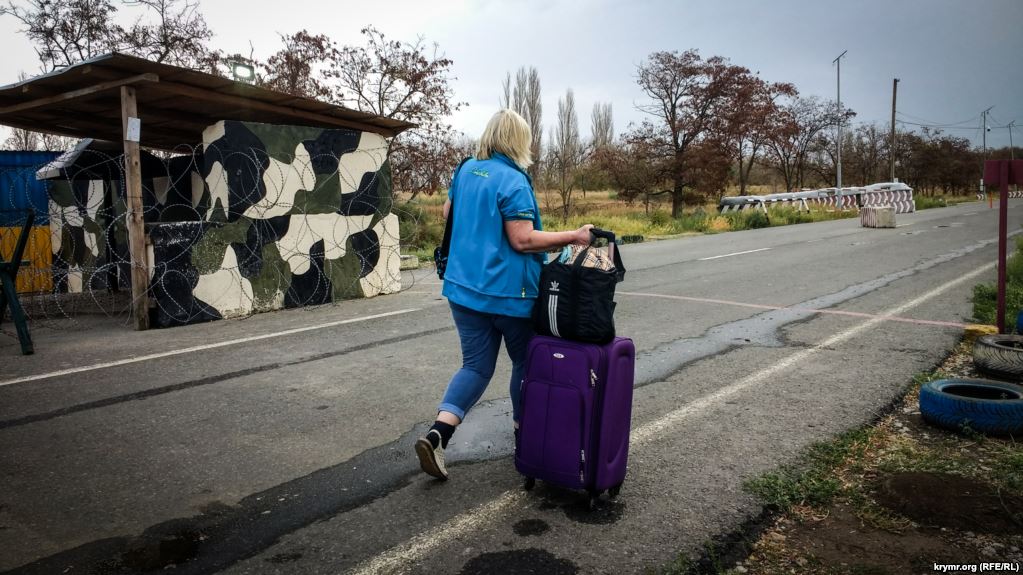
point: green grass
(985, 296)
(1008, 465)
(422, 227)
(926, 203)
(811, 481)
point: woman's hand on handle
(583, 237)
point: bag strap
(612, 248)
(445, 245)
(577, 266)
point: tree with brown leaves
(751, 120)
(404, 81)
(298, 67)
(690, 98)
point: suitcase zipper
(582, 466)
(593, 378)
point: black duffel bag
(576, 299)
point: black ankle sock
(445, 430)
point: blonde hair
(507, 133)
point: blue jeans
(480, 334)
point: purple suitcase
(576, 414)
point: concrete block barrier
(877, 217)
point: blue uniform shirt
(484, 272)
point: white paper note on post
(134, 131)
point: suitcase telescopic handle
(596, 233)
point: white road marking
(652, 429)
(794, 308)
(733, 254)
(903, 225)
(407, 554)
(199, 348)
(971, 214)
(398, 559)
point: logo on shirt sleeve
(480, 173)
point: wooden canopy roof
(175, 104)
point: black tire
(990, 407)
(614, 491)
(999, 355)
(529, 484)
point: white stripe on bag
(552, 315)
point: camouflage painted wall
(87, 206)
(262, 217)
(292, 216)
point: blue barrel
(19, 189)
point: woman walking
(493, 270)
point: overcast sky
(954, 58)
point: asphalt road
(282, 443)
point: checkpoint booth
(204, 197)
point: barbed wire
(231, 232)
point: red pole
(1003, 209)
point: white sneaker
(431, 458)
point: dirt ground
(919, 499)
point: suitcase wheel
(614, 491)
(529, 483)
(591, 501)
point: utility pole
(838, 195)
(983, 115)
(1012, 152)
(983, 131)
(891, 148)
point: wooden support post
(1002, 173)
(133, 217)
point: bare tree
(506, 101)
(602, 125)
(524, 98)
(534, 107)
(22, 140)
(565, 151)
(173, 32)
(70, 31)
(27, 141)
(19, 138)
(67, 32)
(591, 173)
(793, 138)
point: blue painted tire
(989, 407)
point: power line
(948, 127)
(930, 123)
